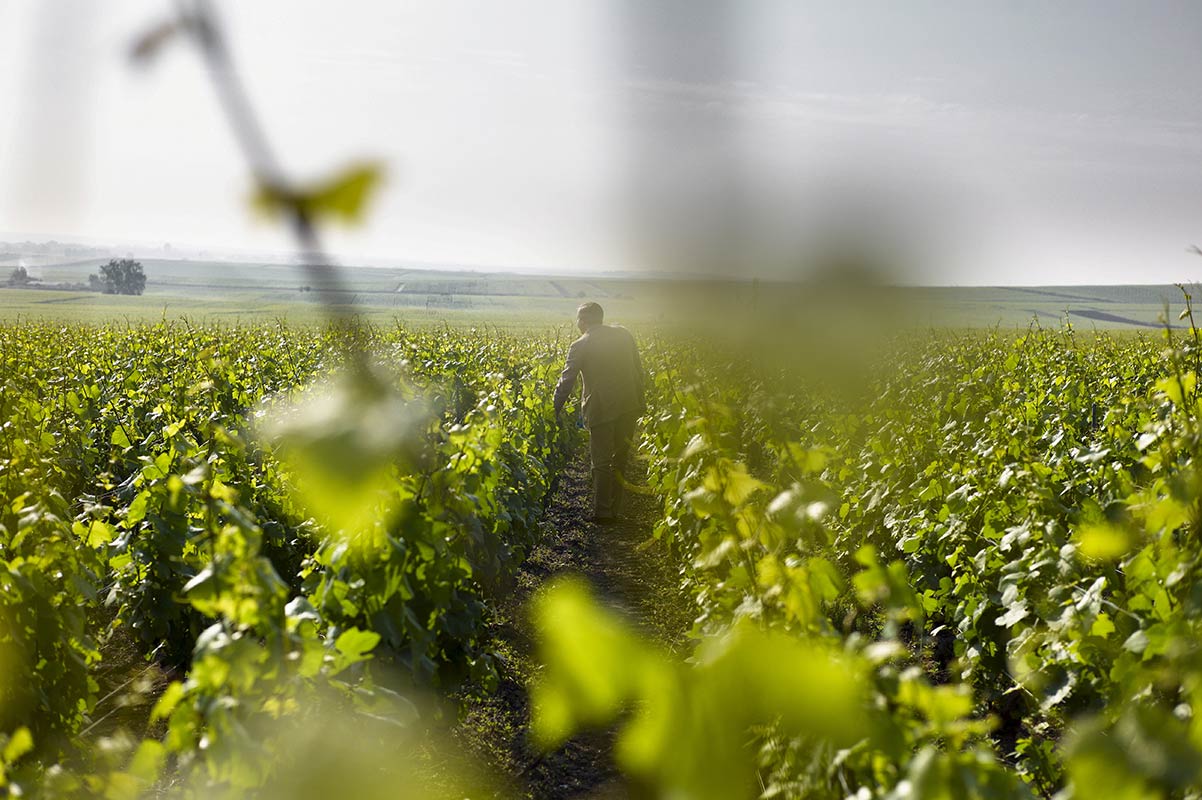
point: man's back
(608, 360)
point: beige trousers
(609, 447)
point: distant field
(225, 291)
(1103, 307)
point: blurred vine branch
(343, 196)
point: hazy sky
(1005, 142)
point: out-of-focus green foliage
(1005, 526)
(686, 735)
(976, 576)
(341, 444)
(138, 510)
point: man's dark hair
(591, 313)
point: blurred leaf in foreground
(688, 732)
(1147, 753)
(595, 666)
(1103, 541)
(341, 752)
(344, 196)
(341, 443)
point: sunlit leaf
(356, 644)
(19, 743)
(1102, 541)
(167, 701)
(344, 197)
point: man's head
(588, 315)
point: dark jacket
(608, 360)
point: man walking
(607, 358)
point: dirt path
(641, 583)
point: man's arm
(567, 378)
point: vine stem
(199, 19)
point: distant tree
(120, 276)
(19, 276)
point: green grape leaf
(344, 196)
